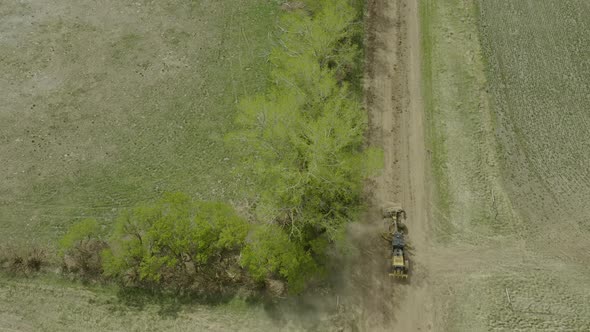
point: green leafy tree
(309, 159)
(175, 241)
(270, 253)
(318, 34)
(303, 142)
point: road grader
(400, 263)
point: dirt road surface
(394, 101)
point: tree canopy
(303, 139)
(174, 237)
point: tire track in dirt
(394, 101)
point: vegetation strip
(303, 141)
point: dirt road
(394, 101)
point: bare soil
(394, 102)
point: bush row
(303, 139)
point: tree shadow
(169, 303)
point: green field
(112, 104)
(470, 201)
(57, 305)
(539, 78)
(108, 104)
(507, 94)
(539, 75)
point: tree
(306, 153)
(270, 253)
(303, 142)
(176, 241)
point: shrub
(35, 259)
(269, 253)
(23, 261)
(81, 248)
(176, 241)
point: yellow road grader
(400, 263)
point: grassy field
(57, 305)
(539, 78)
(506, 93)
(470, 205)
(539, 73)
(105, 104)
